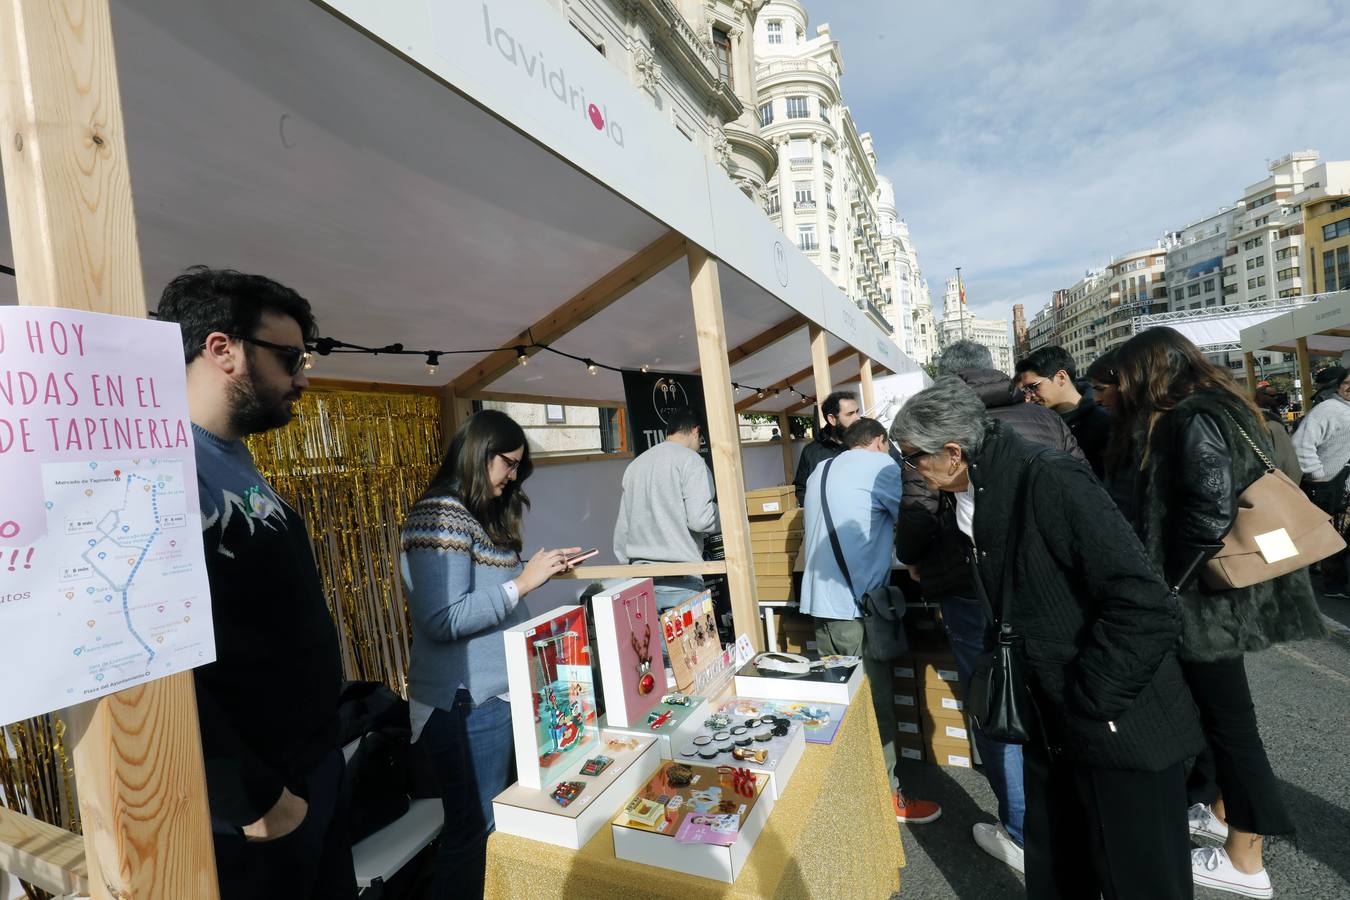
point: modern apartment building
(1265, 243)
(1325, 203)
(1198, 273)
(958, 323)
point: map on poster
(102, 577)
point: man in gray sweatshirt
(667, 507)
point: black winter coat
(1091, 426)
(813, 454)
(926, 533)
(1097, 625)
(1183, 501)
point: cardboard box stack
(930, 708)
(776, 530)
(795, 632)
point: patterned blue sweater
(455, 576)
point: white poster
(102, 577)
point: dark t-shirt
(268, 704)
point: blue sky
(1031, 141)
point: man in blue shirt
(863, 493)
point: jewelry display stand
(704, 793)
(817, 685)
(548, 671)
(820, 721)
(627, 637)
(536, 815)
(715, 744)
(679, 724)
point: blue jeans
(672, 590)
(965, 623)
(472, 750)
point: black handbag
(1328, 496)
(1000, 701)
(882, 621)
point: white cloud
(1031, 141)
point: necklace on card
(646, 682)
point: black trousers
(1105, 832)
(1235, 762)
(314, 862)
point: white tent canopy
(1324, 325)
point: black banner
(652, 397)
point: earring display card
(548, 669)
(690, 634)
(664, 806)
(628, 642)
(819, 721)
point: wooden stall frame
(137, 753)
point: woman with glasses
(1184, 450)
(1094, 631)
(462, 569)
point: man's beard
(254, 408)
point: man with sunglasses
(1047, 377)
(268, 704)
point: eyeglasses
(909, 458)
(511, 464)
(292, 359)
(1034, 387)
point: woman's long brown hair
(1157, 369)
(464, 475)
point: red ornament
(646, 683)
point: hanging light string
(327, 346)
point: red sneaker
(914, 812)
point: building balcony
(808, 246)
(798, 163)
(803, 204)
(773, 208)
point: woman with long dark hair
(465, 580)
(1183, 448)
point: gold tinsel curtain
(351, 463)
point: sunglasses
(1034, 387)
(292, 359)
(909, 459)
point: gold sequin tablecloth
(831, 834)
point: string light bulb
(522, 357)
(433, 361)
(760, 395)
(592, 367)
(646, 368)
(309, 361)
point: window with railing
(771, 203)
(766, 114)
(806, 238)
(797, 108)
(824, 111)
(722, 52)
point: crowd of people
(1084, 523)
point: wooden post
(724, 438)
(865, 377)
(1249, 363)
(455, 410)
(137, 753)
(820, 367)
(788, 470)
(1304, 373)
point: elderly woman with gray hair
(1095, 629)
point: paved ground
(1302, 694)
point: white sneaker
(994, 840)
(1205, 824)
(1211, 867)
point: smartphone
(582, 557)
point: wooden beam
(865, 376)
(505, 397)
(646, 263)
(650, 570)
(785, 433)
(820, 366)
(795, 322)
(372, 387)
(41, 854)
(724, 438)
(791, 381)
(1304, 372)
(455, 411)
(1249, 363)
(137, 753)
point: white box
(807, 688)
(626, 628)
(536, 815)
(704, 860)
(686, 722)
(783, 755)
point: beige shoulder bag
(1278, 530)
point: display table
(832, 834)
